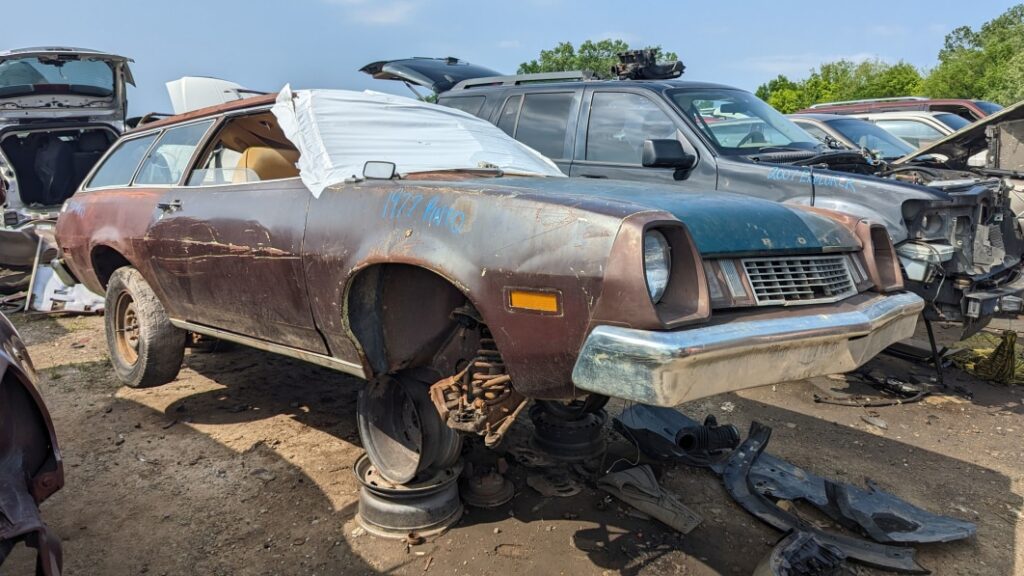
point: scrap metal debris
(551, 484)
(488, 490)
(739, 485)
(801, 554)
(573, 440)
(880, 515)
(639, 488)
(896, 392)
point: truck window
(468, 104)
(544, 121)
(619, 124)
(509, 115)
(167, 161)
(120, 165)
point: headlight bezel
(657, 264)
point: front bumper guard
(671, 367)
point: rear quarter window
(468, 104)
(544, 121)
(121, 164)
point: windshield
(867, 135)
(739, 123)
(952, 120)
(988, 107)
(62, 75)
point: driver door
(228, 238)
(611, 137)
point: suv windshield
(739, 123)
(867, 135)
(56, 76)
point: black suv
(958, 241)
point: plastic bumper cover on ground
(671, 367)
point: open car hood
(437, 74)
(967, 141)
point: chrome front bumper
(671, 367)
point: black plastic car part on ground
(30, 463)
(736, 476)
(883, 517)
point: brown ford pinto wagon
(458, 271)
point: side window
(619, 124)
(914, 132)
(120, 166)
(249, 148)
(167, 161)
(507, 119)
(544, 121)
(469, 104)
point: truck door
(610, 139)
(544, 120)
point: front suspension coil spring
(485, 381)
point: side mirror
(373, 170)
(666, 153)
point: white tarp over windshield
(338, 131)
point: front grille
(799, 280)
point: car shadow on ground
(608, 533)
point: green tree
(598, 57)
(842, 80)
(782, 94)
(984, 63)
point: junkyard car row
(555, 237)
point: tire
(145, 349)
(402, 432)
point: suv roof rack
(868, 100)
(517, 79)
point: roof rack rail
(868, 100)
(518, 79)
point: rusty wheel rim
(127, 330)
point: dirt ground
(243, 466)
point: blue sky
(322, 43)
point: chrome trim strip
(666, 368)
(304, 355)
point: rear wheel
(145, 348)
(401, 430)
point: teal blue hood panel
(720, 223)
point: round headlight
(657, 264)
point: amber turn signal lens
(533, 301)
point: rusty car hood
(721, 223)
(967, 141)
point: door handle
(169, 206)
(593, 176)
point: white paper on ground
(338, 131)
